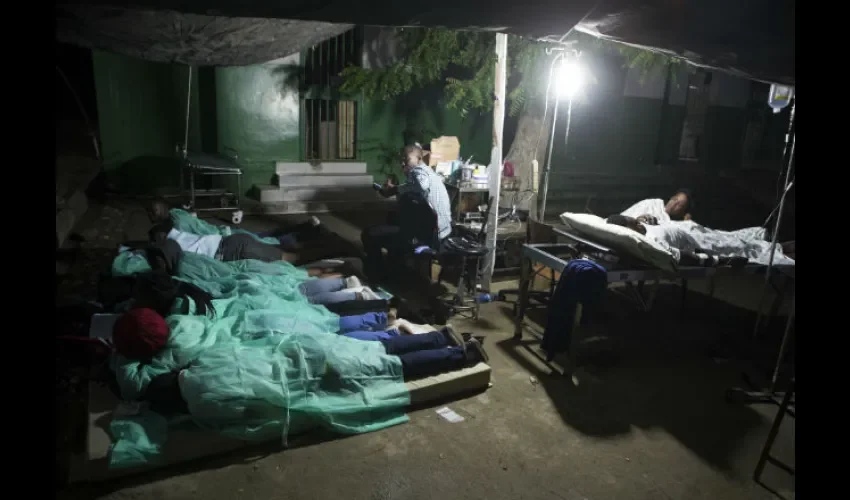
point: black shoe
(452, 336)
(468, 336)
(475, 353)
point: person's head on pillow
(627, 222)
(157, 210)
(680, 205)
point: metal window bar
(330, 123)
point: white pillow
(622, 239)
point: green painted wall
(255, 111)
(385, 127)
(252, 109)
(258, 115)
(141, 108)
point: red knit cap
(139, 334)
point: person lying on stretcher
(655, 211)
(689, 238)
(677, 241)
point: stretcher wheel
(236, 218)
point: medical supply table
(509, 233)
(556, 256)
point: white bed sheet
(623, 239)
(747, 242)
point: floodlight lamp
(570, 78)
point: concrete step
(285, 168)
(277, 194)
(324, 180)
(251, 207)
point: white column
(495, 168)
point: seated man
(655, 211)
(686, 241)
(421, 179)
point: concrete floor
(647, 420)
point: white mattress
(621, 239)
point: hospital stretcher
(623, 269)
(204, 164)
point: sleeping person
(141, 334)
(168, 258)
(689, 239)
(198, 388)
(158, 292)
(224, 243)
(289, 239)
(656, 211)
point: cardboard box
(445, 148)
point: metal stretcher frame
(546, 255)
(207, 165)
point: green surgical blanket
(184, 221)
(267, 363)
(129, 263)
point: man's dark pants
(425, 354)
(374, 239)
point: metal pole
(789, 140)
(782, 348)
(542, 214)
(188, 108)
(495, 170)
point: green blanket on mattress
(268, 363)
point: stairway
(319, 187)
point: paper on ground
(449, 415)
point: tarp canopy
(753, 38)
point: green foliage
(464, 62)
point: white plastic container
(466, 173)
(779, 97)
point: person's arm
(159, 232)
(418, 181)
(389, 189)
(647, 219)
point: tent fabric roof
(752, 38)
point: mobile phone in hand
(377, 186)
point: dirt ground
(645, 417)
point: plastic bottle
(484, 298)
(779, 97)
